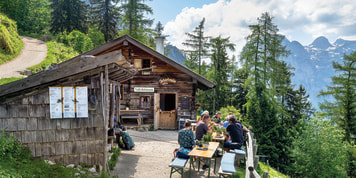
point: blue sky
(167, 10)
(299, 20)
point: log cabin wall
(184, 86)
(67, 140)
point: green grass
(271, 171)
(8, 80)
(241, 172)
(56, 53)
(4, 57)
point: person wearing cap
(202, 114)
(235, 131)
(217, 118)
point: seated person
(217, 118)
(202, 114)
(186, 136)
(202, 127)
(235, 133)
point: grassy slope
(57, 52)
(10, 41)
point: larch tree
(198, 43)
(342, 110)
(261, 59)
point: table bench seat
(227, 167)
(178, 165)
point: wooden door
(167, 120)
(156, 110)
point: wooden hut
(163, 91)
(63, 114)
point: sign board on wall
(144, 89)
(68, 102)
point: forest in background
(296, 139)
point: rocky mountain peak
(321, 43)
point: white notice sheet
(68, 102)
(82, 101)
(55, 96)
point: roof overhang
(202, 82)
(119, 70)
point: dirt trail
(152, 154)
(33, 52)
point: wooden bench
(138, 117)
(227, 166)
(178, 165)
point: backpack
(127, 139)
(183, 153)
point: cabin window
(146, 63)
(145, 101)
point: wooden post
(107, 109)
(118, 103)
(112, 106)
(106, 105)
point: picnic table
(220, 138)
(205, 154)
(132, 114)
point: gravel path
(152, 154)
(33, 52)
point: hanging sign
(144, 89)
(165, 81)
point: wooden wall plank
(4, 112)
(59, 146)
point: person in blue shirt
(217, 118)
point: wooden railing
(252, 158)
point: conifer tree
(106, 16)
(69, 15)
(134, 21)
(342, 110)
(198, 43)
(222, 66)
(261, 59)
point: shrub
(11, 148)
(56, 53)
(77, 40)
(10, 42)
(319, 151)
(114, 157)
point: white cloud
(301, 20)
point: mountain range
(312, 63)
